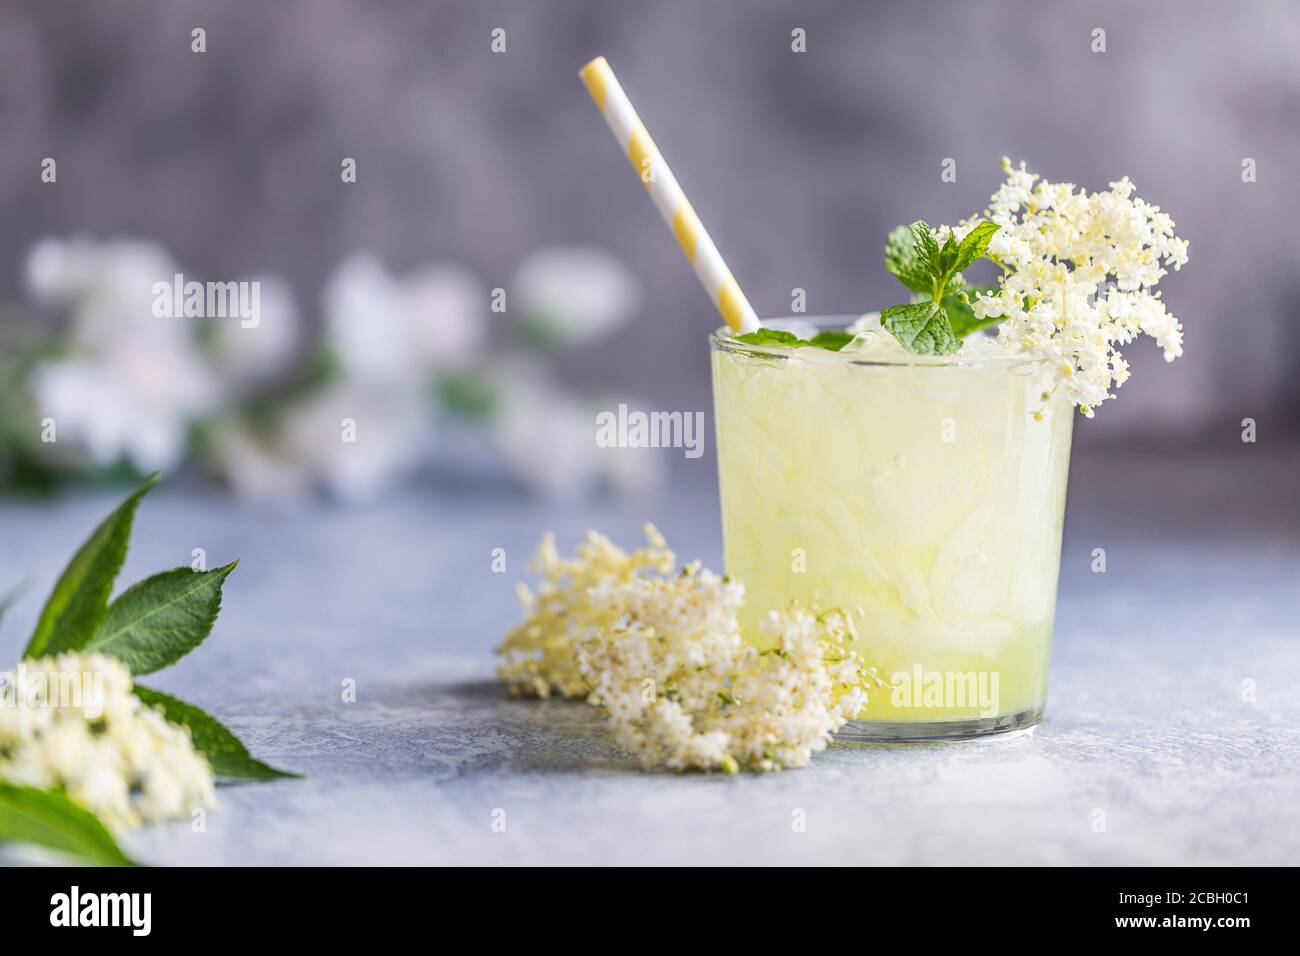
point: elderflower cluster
(71, 723)
(1080, 270)
(663, 655)
(537, 656)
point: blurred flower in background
(127, 385)
(360, 416)
(574, 295)
(396, 331)
(546, 436)
(566, 297)
(392, 433)
(249, 359)
(400, 370)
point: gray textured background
(798, 163)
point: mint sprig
(933, 272)
(832, 341)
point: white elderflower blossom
(537, 656)
(71, 723)
(663, 655)
(1080, 270)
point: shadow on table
(491, 731)
(496, 732)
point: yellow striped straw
(667, 195)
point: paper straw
(667, 195)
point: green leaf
(948, 257)
(927, 247)
(832, 341)
(51, 820)
(157, 622)
(974, 245)
(80, 596)
(902, 260)
(922, 327)
(221, 748)
(769, 337)
(912, 254)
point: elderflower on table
(1080, 270)
(537, 656)
(662, 654)
(72, 723)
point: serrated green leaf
(49, 819)
(927, 247)
(974, 245)
(903, 260)
(80, 596)
(155, 623)
(221, 748)
(948, 256)
(922, 328)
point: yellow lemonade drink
(923, 494)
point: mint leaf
(905, 262)
(157, 622)
(80, 596)
(831, 341)
(975, 244)
(922, 327)
(769, 337)
(948, 258)
(49, 819)
(926, 249)
(221, 748)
